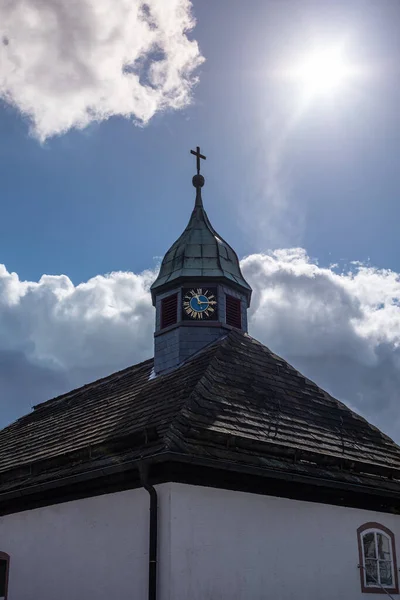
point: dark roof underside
(235, 401)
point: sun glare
(323, 72)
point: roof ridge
(219, 344)
(234, 338)
(338, 402)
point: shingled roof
(234, 402)
(200, 252)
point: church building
(213, 471)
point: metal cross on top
(198, 157)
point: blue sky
(113, 196)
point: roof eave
(84, 484)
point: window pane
(3, 573)
(383, 547)
(371, 572)
(385, 571)
(369, 545)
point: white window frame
(375, 531)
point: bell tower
(200, 292)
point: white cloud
(340, 329)
(309, 311)
(66, 64)
(106, 321)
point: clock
(200, 303)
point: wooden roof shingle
(234, 401)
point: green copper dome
(200, 253)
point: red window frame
(4, 556)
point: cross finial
(198, 157)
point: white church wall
(228, 545)
(213, 545)
(89, 549)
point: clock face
(200, 303)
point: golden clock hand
(197, 296)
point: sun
(323, 72)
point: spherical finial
(198, 181)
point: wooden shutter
(233, 312)
(169, 310)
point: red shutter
(233, 312)
(169, 311)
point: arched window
(4, 567)
(378, 567)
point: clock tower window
(169, 310)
